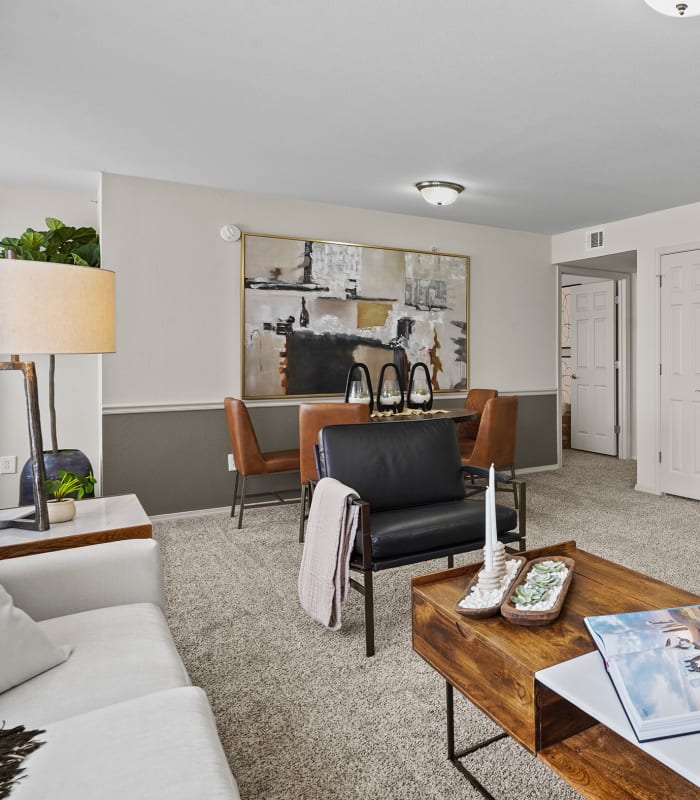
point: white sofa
(121, 719)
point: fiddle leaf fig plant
(67, 483)
(61, 244)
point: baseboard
(203, 512)
(545, 468)
(259, 500)
(638, 487)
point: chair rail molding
(211, 405)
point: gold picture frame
(310, 308)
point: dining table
(415, 415)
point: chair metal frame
(365, 566)
(262, 459)
(480, 471)
(336, 414)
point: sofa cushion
(25, 649)
(163, 745)
(404, 531)
(119, 653)
(395, 464)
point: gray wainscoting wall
(178, 460)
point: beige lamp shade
(55, 308)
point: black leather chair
(410, 481)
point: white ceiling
(556, 114)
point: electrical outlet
(8, 465)
(231, 463)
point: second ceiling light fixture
(439, 193)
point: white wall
(178, 287)
(77, 379)
(649, 235)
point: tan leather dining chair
(247, 456)
(467, 431)
(313, 417)
(495, 439)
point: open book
(653, 660)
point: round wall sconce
(439, 193)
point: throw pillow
(26, 649)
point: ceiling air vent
(594, 240)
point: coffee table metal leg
(453, 756)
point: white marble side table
(97, 520)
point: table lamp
(50, 308)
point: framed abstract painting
(313, 308)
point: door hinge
(661, 369)
(617, 430)
(661, 278)
(617, 300)
(659, 456)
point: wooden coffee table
(493, 662)
(97, 520)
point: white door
(593, 401)
(680, 374)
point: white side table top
(94, 515)
(584, 682)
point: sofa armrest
(64, 582)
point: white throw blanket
(324, 576)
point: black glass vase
(358, 386)
(390, 395)
(420, 390)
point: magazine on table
(653, 660)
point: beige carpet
(303, 714)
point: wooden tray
(532, 618)
(488, 611)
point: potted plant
(61, 244)
(63, 491)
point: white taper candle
(492, 505)
(488, 538)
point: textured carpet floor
(303, 714)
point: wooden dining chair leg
(515, 491)
(235, 492)
(302, 513)
(242, 501)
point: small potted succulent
(63, 491)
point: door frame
(603, 436)
(623, 332)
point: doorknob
(574, 377)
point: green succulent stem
(67, 483)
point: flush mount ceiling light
(674, 9)
(439, 193)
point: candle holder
(390, 395)
(358, 387)
(420, 390)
